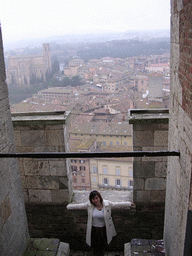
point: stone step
(46, 247)
(144, 247)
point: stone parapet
(44, 180)
(150, 133)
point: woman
(100, 227)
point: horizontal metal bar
(90, 154)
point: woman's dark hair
(93, 194)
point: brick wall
(70, 226)
(150, 133)
(178, 198)
(13, 223)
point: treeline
(17, 94)
(123, 49)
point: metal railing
(90, 154)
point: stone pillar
(150, 133)
(179, 185)
(13, 222)
(45, 181)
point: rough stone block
(58, 168)
(127, 249)
(143, 169)
(54, 137)
(140, 196)
(40, 182)
(63, 250)
(155, 184)
(36, 167)
(160, 138)
(139, 184)
(5, 209)
(60, 196)
(161, 169)
(40, 196)
(36, 137)
(158, 196)
(144, 138)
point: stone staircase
(53, 247)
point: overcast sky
(27, 19)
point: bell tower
(46, 51)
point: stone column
(13, 222)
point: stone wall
(150, 133)
(178, 196)
(45, 180)
(13, 222)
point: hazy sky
(27, 19)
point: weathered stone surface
(64, 250)
(141, 196)
(40, 182)
(5, 209)
(36, 137)
(40, 196)
(155, 184)
(143, 169)
(157, 196)
(146, 137)
(139, 184)
(161, 169)
(160, 138)
(60, 196)
(39, 167)
(13, 223)
(58, 168)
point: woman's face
(96, 200)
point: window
(94, 169)
(83, 180)
(104, 169)
(105, 182)
(131, 173)
(117, 142)
(104, 143)
(118, 183)
(74, 180)
(118, 171)
(73, 161)
(94, 179)
(111, 143)
(73, 168)
(83, 174)
(125, 143)
(130, 184)
(82, 161)
(82, 168)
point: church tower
(46, 51)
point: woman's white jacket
(107, 205)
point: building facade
(25, 70)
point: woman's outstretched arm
(76, 206)
(123, 205)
